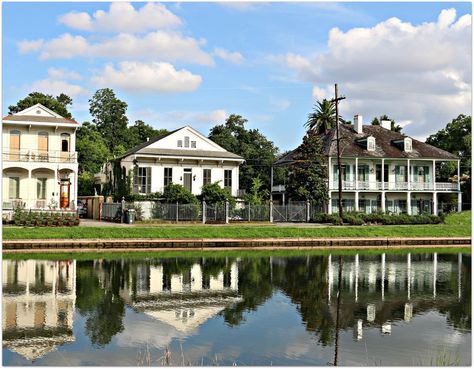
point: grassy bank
(456, 225)
(230, 254)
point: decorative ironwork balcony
(40, 156)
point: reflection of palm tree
(323, 117)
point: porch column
(356, 200)
(382, 199)
(459, 177)
(29, 189)
(383, 175)
(330, 203)
(434, 175)
(330, 174)
(408, 177)
(356, 175)
(409, 203)
(459, 202)
(435, 203)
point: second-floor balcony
(396, 186)
(24, 155)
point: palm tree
(323, 117)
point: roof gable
(40, 111)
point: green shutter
(426, 172)
(347, 171)
(397, 173)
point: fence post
(203, 211)
(308, 210)
(177, 211)
(226, 212)
(122, 218)
(271, 211)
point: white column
(433, 175)
(356, 174)
(76, 189)
(459, 177)
(382, 199)
(31, 187)
(435, 203)
(383, 276)
(459, 201)
(330, 173)
(356, 200)
(383, 173)
(435, 269)
(408, 175)
(409, 203)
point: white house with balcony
(184, 157)
(382, 170)
(39, 160)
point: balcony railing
(40, 156)
(278, 188)
(395, 186)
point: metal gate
(292, 212)
(215, 213)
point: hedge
(44, 219)
(376, 218)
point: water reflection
(185, 294)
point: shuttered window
(14, 187)
(168, 176)
(206, 176)
(228, 179)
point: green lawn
(458, 224)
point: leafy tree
(393, 126)
(91, 148)
(141, 132)
(257, 193)
(456, 139)
(58, 104)
(212, 193)
(323, 117)
(259, 152)
(174, 192)
(308, 174)
(108, 114)
(85, 183)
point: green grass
(230, 254)
(458, 224)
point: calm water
(394, 309)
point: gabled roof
(385, 146)
(142, 148)
(26, 116)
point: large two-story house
(39, 160)
(183, 156)
(382, 170)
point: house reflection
(38, 304)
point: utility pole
(336, 101)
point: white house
(382, 170)
(39, 160)
(184, 157)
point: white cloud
(59, 73)
(148, 77)
(123, 17)
(168, 46)
(413, 73)
(56, 87)
(239, 5)
(233, 57)
(215, 116)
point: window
(142, 181)
(14, 188)
(65, 139)
(371, 144)
(41, 188)
(168, 176)
(408, 144)
(193, 144)
(206, 176)
(228, 179)
(15, 145)
(180, 143)
(186, 141)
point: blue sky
(196, 63)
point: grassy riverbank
(456, 225)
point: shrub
(213, 193)
(377, 218)
(34, 219)
(144, 197)
(176, 193)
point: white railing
(41, 204)
(40, 156)
(278, 188)
(446, 186)
(421, 186)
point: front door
(188, 180)
(64, 194)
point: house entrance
(188, 179)
(64, 193)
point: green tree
(91, 148)
(323, 117)
(174, 192)
(257, 193)
(141, 132)
(456, 139)
(393, 125)
(259, 152)
(308, 173)
(212, 193)
(108, 114)
(59, 104)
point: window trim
(67, 140)
(167, 179)
(142, 181)
(17, 180)
(206, 179)
(228, 179)
(43, 182)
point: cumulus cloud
(60, 73)
(239, 5)
(215, 116)
(148, 77)
(56, 87)
(169, 46)
(123, 17)
(233, 57)
(413, 73)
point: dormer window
(180, 143)
(371, 144)
(407, 144)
